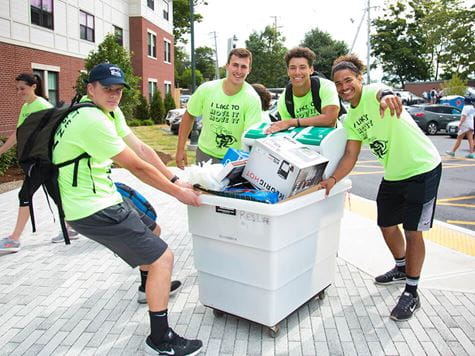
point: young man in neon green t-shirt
(299, 62)
(94, 208)
(228, 107)
(412, 169)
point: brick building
(53, 37)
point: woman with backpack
(30, 90)
(412, 171)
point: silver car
(432, 118)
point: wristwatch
(385, 92)
(174, 179)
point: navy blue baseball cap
(107, 74)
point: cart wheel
(274, 331)
(218, 313)
(321, 295)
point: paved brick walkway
(81, 300)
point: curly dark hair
(300, 52)
(264, 94)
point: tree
(142, 110)
(454, 86)
(399, 46)
(157, 108)
(169, 102)
(268, 51)
(185, 79)
(181, 19)
(326, 49)
(111, 52)
(205, 62)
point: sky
(340, 18)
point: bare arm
(345, 166)
(183, 133)
(9, 143)
(148, 154)
(153, 177)
(326, 119)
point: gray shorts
(120, 229)
(204, 157)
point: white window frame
(46, 68)
(149, 81)
(150, 53)
(167, 51)
(167, 84)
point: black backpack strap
(76, 166)
(289, 100)
(315, 87)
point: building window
(168, 87)
(119, 35)
(167, 51)
(151, 4)
(86, 26)
(152, 45)
(42, 13)
(152, 89)
(50, 84)
(166, 9)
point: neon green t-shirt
(225, 118)
(402, 148)
(38, 104)
(100, 135)
(303, 105)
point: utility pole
(368, 64)
(216, 54)
(192, 42)
(275, 28)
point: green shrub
(148, 122)
(169, 102)
(157, 108)
(142, 110)
(8, 159)
(135, 122)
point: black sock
(143, 280)
(411, 285)
(158, 325)
(401, 264)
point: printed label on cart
(253, 218)
(226, 211)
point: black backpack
(315, 88)
(35, 138)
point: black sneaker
(406, 306)
(142, 298)
(391, 277)
(172, 344)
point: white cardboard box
(284, 165)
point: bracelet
(298, 122)
(385, 92)
(333, 178)
(174, 179)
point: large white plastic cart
(261, 261)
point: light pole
(194, 131)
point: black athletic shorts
(120, 229)
(410, 201)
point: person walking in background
(95, 208)
(30, 90)
(465, 130)
(228, 106)
(412, 170)
(300, 69)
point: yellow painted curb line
(440, 234)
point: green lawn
(160, 138)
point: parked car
(432, 118)
(173, 119)
(408, 98)
(184, 99)
(453, 128)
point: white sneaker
(73, 235)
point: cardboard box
(284, 165)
